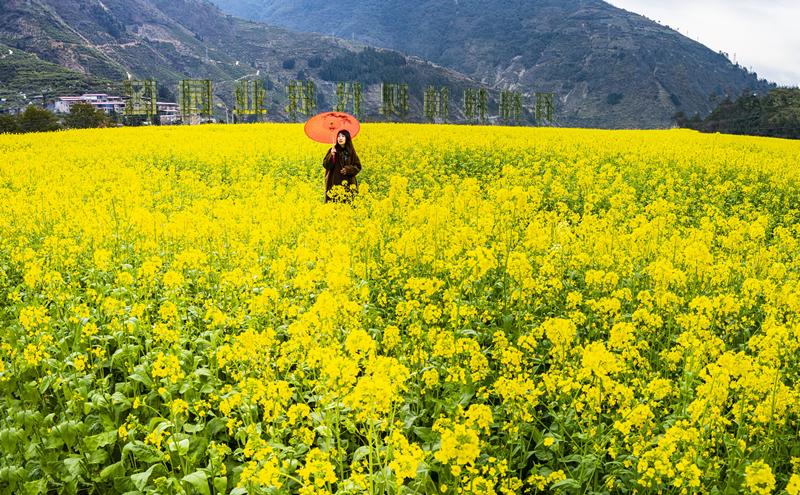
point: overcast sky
(764, 34)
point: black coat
(333, 170)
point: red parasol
(324, 127)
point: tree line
(775, 115)
(36, 119)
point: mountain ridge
(169, 40)
(608, 67)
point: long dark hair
(348, 144)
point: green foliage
(369, 66)
(85, 116)
(166, 94)
(614, 98)
(8, 124)
(315, 62)
(21, 72)
(775, 115)
(107, 21)
(35, 119)
(372, 66)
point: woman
(341, 165)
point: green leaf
(74, 465)
(98, 441)
(36, 487)
(197, 449)
(141, 378)
(323, 431)
(9, 439)
(567, 483)
(33, 449)
(221, 484)
(98, 457)
(424, 433)
(119, 398)
(10, 477)
(113, 471)
(360, 453)
(239, 491)
(145, 453)
(215, 426)
(160, 423)
(193, 428)
(48, 421)
(140, 479)
(69, 432)
(123, 484)
(730, 490)
(30, 419)
(199, 481)
(183, 446)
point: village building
(168, 113)
(98, 100)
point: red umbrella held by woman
(324, 127)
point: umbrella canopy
(324, 127)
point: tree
(165, 94)
(35, 119)
(686, 123)
(614, 98)
(8, 124)
(85, 116)
(774, 115)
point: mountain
(23, 77)
(169, 40)
(608, 67)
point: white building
(98, 100)
(168, 113)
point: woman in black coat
(341, 165)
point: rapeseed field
(498, 311)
